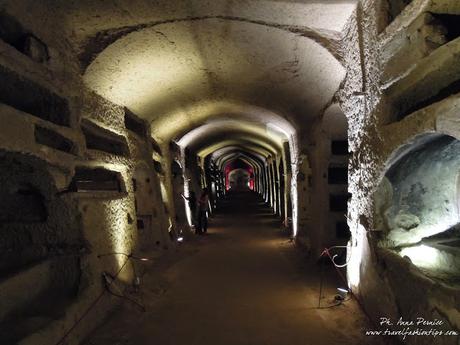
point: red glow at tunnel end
(238, 165)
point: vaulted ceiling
(184, 64)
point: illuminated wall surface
(110, 110)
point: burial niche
(40, 247)
(417, 205)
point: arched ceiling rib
(211, 115)
(219, 155)
(254, 164)
(211, 136)
(178, 74)
(238, 170)
(226, 128)
(93, 25)
(178, 63)
(259, 147)
(253, 157)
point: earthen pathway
(242, 284)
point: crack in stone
(165, 37)
(96, 44)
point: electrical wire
(107, 289)
(340, 302)
(92, 305)
(326, 252)
(123, 296)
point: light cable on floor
(99, 297)
(326, 252)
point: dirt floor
(244, 283)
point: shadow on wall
(417, 206)
(40, 247)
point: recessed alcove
(449, 23)
(389, 10)
(176, 168)
(339, 147)
(14, 33)
(40, 247)
(417, 205)
(135, 124)
(155, 147)
(101, 139)
(338, 202)
(30, 97)
(158, 167)
(87, 179)
(449, 90)
(342, 231)
(54, 140)
(337, 175)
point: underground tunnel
(229, 172)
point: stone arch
(239, 179)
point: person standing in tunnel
(192, 204)
(203, 202)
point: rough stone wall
(89, 223)
(383, 281)
(381, 125)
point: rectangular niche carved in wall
(339, 147)
(155, 147)
(337, 175)
(50, 138)
(13, 33)
(389, 10)
(135, 124)
(158, 168)
(21, 204)
(32, 98)
(342, 230)
(338, 203)
(96, 179)
(98, 138)
(449, 90)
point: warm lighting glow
(122, 235)
(188, 212)
(355, 256)
(164, 192)
(221, 114)
(180, 239)
(422, 256)
(294, 207)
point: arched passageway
(305, 131)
